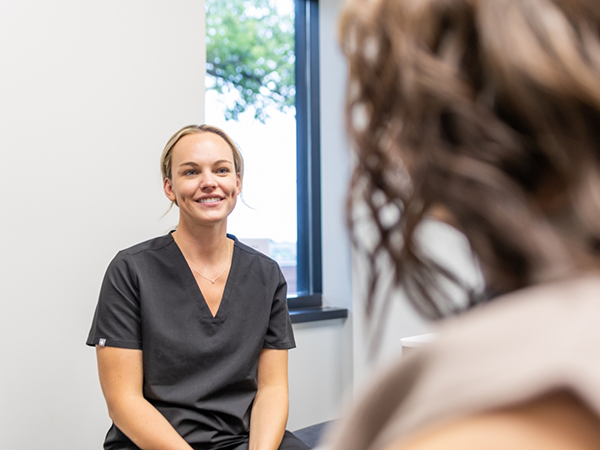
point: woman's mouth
(209, 200)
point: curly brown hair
(489, 108)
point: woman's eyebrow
(189, 163)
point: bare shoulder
(555, 422)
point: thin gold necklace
(212, 280)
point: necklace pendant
(222, 271)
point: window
(262, 88)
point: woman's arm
(270, 408)
(121, 377)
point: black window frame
(308, 157)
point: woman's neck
(204, 243)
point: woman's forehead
(202, 146)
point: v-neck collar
(195, 293)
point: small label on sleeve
(102, 342)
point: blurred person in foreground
(486, 113)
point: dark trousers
(289, 442)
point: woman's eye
(223, 170)
(189, 172)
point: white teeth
(209, 200)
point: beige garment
(511, 350)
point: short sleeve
(280, 334)
(116, 320)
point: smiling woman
(203, 182)
(192, 328)
(167, 155)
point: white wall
(316, 373)
(335, 175)
(90, 91)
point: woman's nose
(208, 181)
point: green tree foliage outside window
(250, 49)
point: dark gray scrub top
(200, 371)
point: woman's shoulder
(252, 253)
(150, 245)
(515, 349)
(558, 421)
(127, 259)
(560, 314)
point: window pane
(251, 95)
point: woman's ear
(238, 182)
(168, 188)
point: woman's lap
(289, 442)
